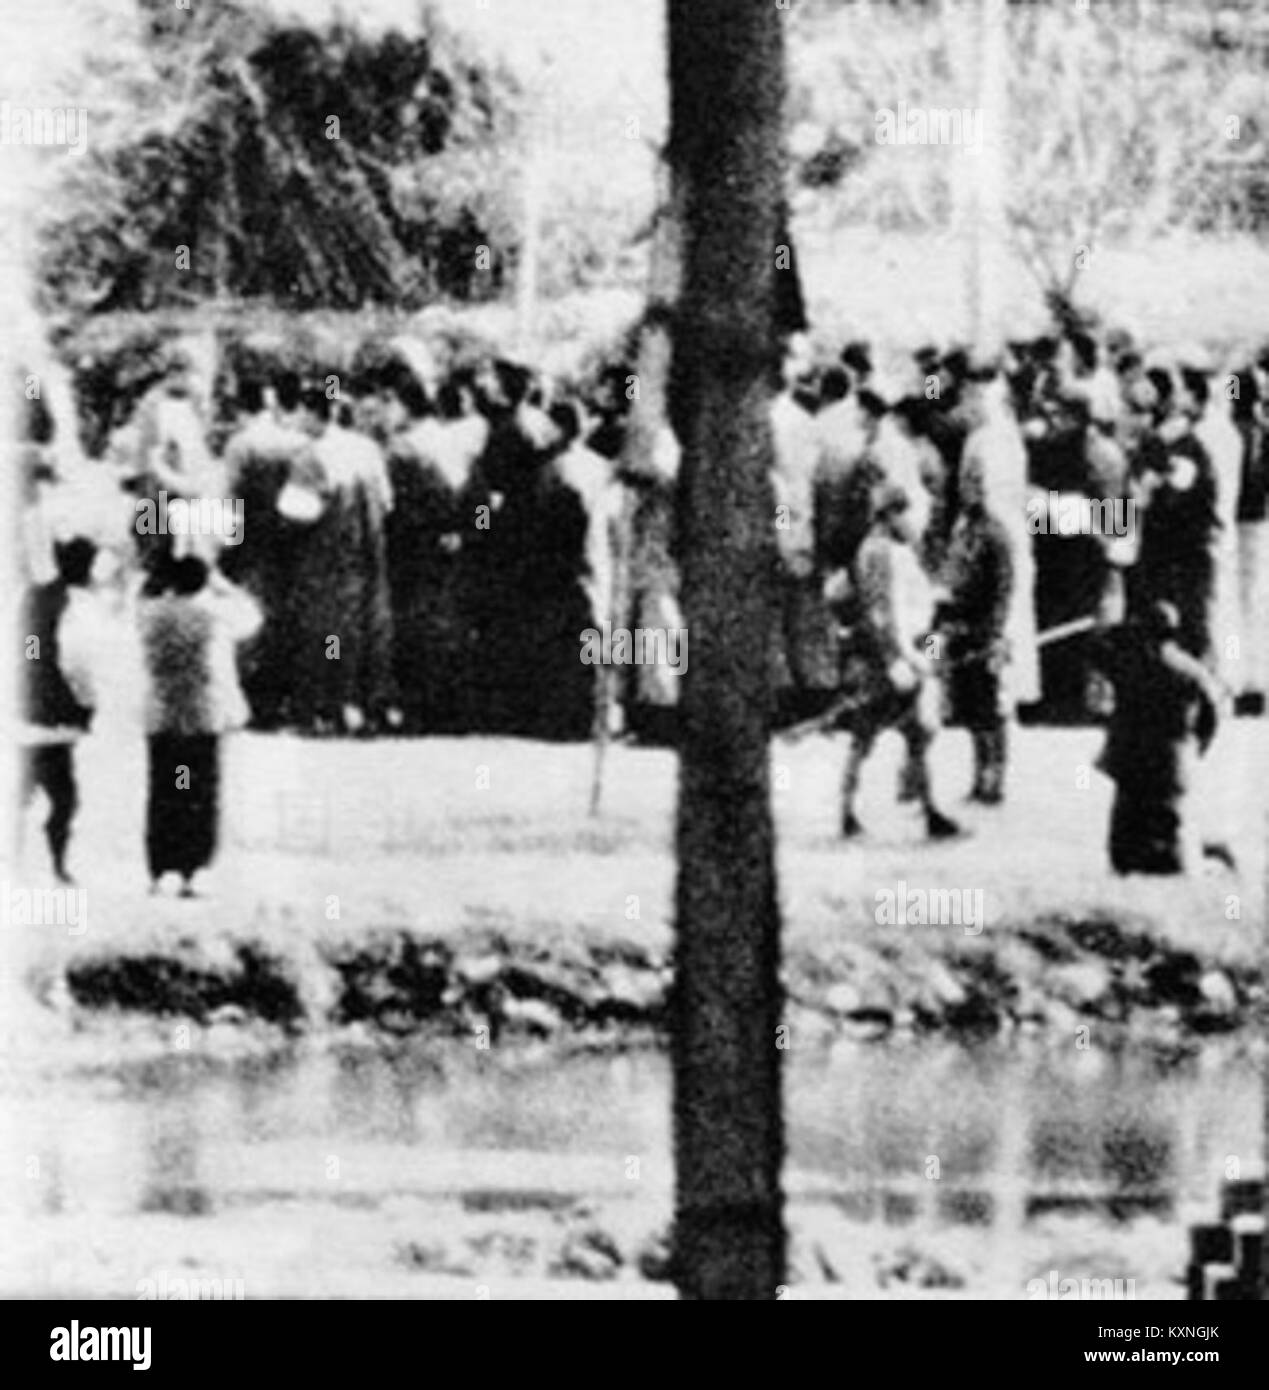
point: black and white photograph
(639, 635)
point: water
(859, 1118)
(1019, 1134)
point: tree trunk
(727, 87)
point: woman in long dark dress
(190, 629)
(261, 458)
(429, 465)
(342, 600)
(489, 603)
(545, 529)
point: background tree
(303, 164)
(1118, 124)
(726, 154)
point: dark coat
(979, 577)
(1162, 718)
(48, 698)
(1178, 531)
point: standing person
(803, 659)
(883, 667)
(266, 453)
(1175, 491)
(996, 453)
(1217, 801)
(57, 701)
(422, 514)
(1107, 466)
(345, 681)
(1164, 719)
(592, 477)
(549, 692)
(499, 482)
(979, 579)
(848, 479)
(192, 621)
(429, 464)
(1219, 436)
(173, 457)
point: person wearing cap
(978, 577)
(884, 665)
(1165, 717)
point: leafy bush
(219, 136)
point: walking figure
(57, 700)
(883, 665)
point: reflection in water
(1041, 1129)
(989, 1137)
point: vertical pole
(726, 152)
(992, 115)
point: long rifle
(847, 704)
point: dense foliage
(216, 131)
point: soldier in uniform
(978, 576)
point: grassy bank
(460, 884)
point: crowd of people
(909, 506)
(421, 551)
(419, 547)
(392, 553)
